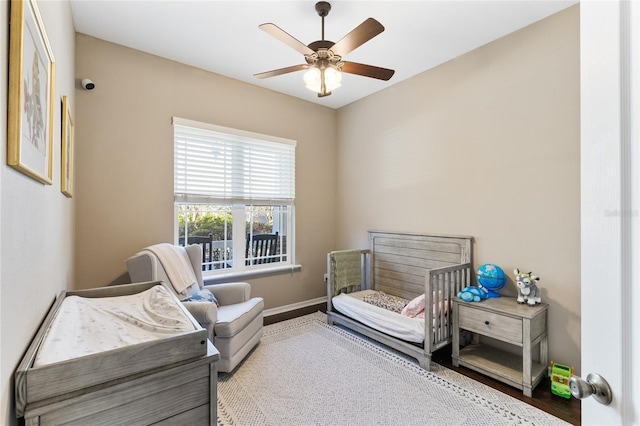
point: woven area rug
(305, 372)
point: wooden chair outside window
(207, 248)
(261, 248)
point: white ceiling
(223, 36)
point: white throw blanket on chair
(178, 270)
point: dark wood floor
(565, 409)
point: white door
(610, 238)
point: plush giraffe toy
(528, 290)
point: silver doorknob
(595, 385)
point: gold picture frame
(31, 90)
(66, 164)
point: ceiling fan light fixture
(323, 58)
(314, 76)
(332, 78)
(312, 79)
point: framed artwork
(31, 89)
(66, 166)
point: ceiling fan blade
(286, 38)
(357, 37)
(367, 70)
(281, 71)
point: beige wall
(485, 145)
(125, 160)
(36, 226)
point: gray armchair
(233, 320)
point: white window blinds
(218, 164)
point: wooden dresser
(180, 394)
(167, 381)
(505, 320)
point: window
(234, 194)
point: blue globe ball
(492, 278)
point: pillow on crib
(414, 307)
(203, 295)
(385, 301)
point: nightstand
(505, 320)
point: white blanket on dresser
(84, 326)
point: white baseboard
(294, 306)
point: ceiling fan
(324, 58)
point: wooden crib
(406, 265)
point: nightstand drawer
(490, 324)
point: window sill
(210, 278)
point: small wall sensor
(88, 84)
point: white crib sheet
(84, 326)
(383, 320)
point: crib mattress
(383, 320)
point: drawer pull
(486, 323)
